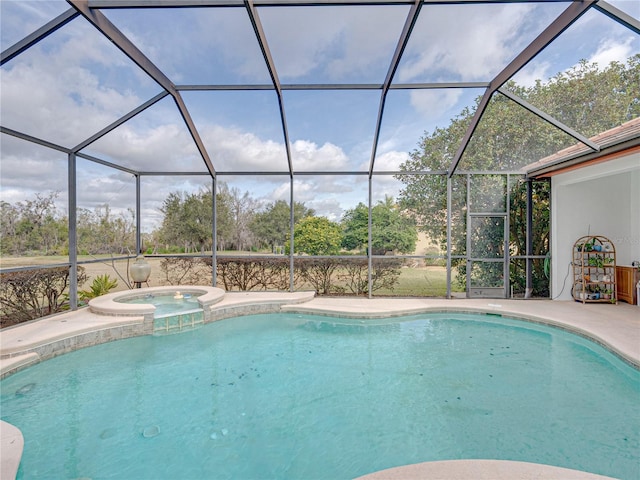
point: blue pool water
(304, 397)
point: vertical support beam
(138, 219)
(529, 232)
(291, 229)
(449, 242)
(551, 239)
(214, 232)
(468, 248)
(507, 229)
(369, 241)
(73, 234)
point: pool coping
(480, 470)
(26, 344)
(111, 303)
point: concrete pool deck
(616, 327)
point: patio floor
(617, 327)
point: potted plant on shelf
(596, 261)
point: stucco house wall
(600, 199)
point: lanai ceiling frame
(91, 11)
(102, 23)
(573, 12)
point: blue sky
(75, 82)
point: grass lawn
(420, 282)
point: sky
(75, 82)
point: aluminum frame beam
(40, 34)
(548, 118)
(572, 13)
(105, 4)
(273, 73)
(72, 220)
(106, 163)
(409, 23)
(335, 86)
(618, 15)
(108, 29)
(36, 140)
(120, 121)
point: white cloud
(307, 155)
(20, 18)
(165, 147)
(435, 103)
(331, 42)
(117, 189)
(390, 161)
(463, 43)
(31, 168)
(330, 195)
(59, 91)
(231, 32)
(612, 50)
(232, 149)
(73, 84)
(177, 41)
(528, 76)
(369, 41)
(327, 207)
(282, 192)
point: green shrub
(101, 285)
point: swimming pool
(298, 396)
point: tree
(586, 98)
(224, 219)
(99, 231)
(9, 218)
(391, 229)
(272, 226)
(170, 232)
(33, 227)
(188, 220)
(316, 236)
(185, 221)
(197, 220)
(235, 212)
(242, 208)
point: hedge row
(324, 275)
(29, 294)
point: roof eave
(581, 159)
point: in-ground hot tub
(166, 309)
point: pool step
(168, 324)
